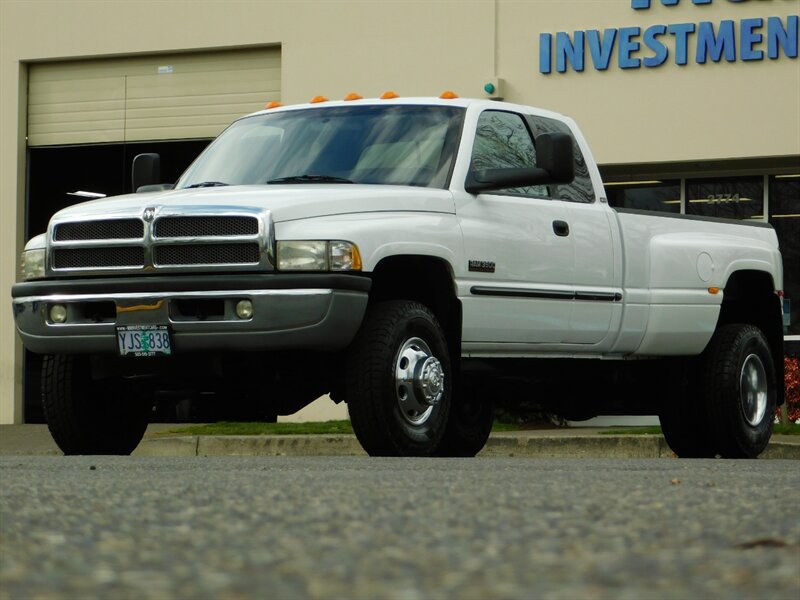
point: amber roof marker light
(353, 96)
(389, 95)
(273, 104)
(448, 95)
(318, 99)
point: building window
(784, 216)
(728, 197)
(661, 196)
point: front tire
(87, 416)
(399, 380)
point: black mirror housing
(555, 154)
(146, 170)
(555, 164)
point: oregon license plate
(144, 340)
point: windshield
(397, 145)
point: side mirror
(555, 154)
(555, 164)
(146, 173)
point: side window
(581, 189)
(502, 141)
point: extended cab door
(518, 287)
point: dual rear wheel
(728, 406)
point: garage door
(156, 97)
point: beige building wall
(670, 113)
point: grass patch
(636, 431)
(344, 427)
(231, 428)
(777, 429)
(256, 428)
(786, 429)
(498, 426)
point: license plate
(144, 340)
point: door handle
(561, 228)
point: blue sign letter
(601, 49)
(545, 46)
(749, 38)
(681, 32)
(628, 46)
(786, 38)
(567, 51)
(645, 4)
(651, 35)
(712, 45)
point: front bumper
(315, 312)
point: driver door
(518, 285)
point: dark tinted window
(784, 215)
(661, 196)
(728, 197)
(581, 189)
(502, 141)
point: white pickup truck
(421, 260)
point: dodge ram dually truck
(421, 260)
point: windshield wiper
(310, 179)
(206, 184)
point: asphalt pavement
(237, 528)
(561, 442)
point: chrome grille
(117, 229)
(206, 254)
(102, 258)
(205, 226)
(179, 240)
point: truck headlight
(317, 255)
(32, 264)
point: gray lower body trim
(317, 319)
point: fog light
(244, 309)
(58, 313)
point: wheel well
(427, 280)
(749, 297)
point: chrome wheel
(753, 389)
(399, 380)
(419, 380)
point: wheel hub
(429, 380)
(753, 390)
(419, 381)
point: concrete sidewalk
(576, 442)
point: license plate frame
(144, 340)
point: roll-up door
(154, 97)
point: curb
(597, 446)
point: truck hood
(286, 202)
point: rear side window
(581, 189)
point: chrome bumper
(320, 312)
